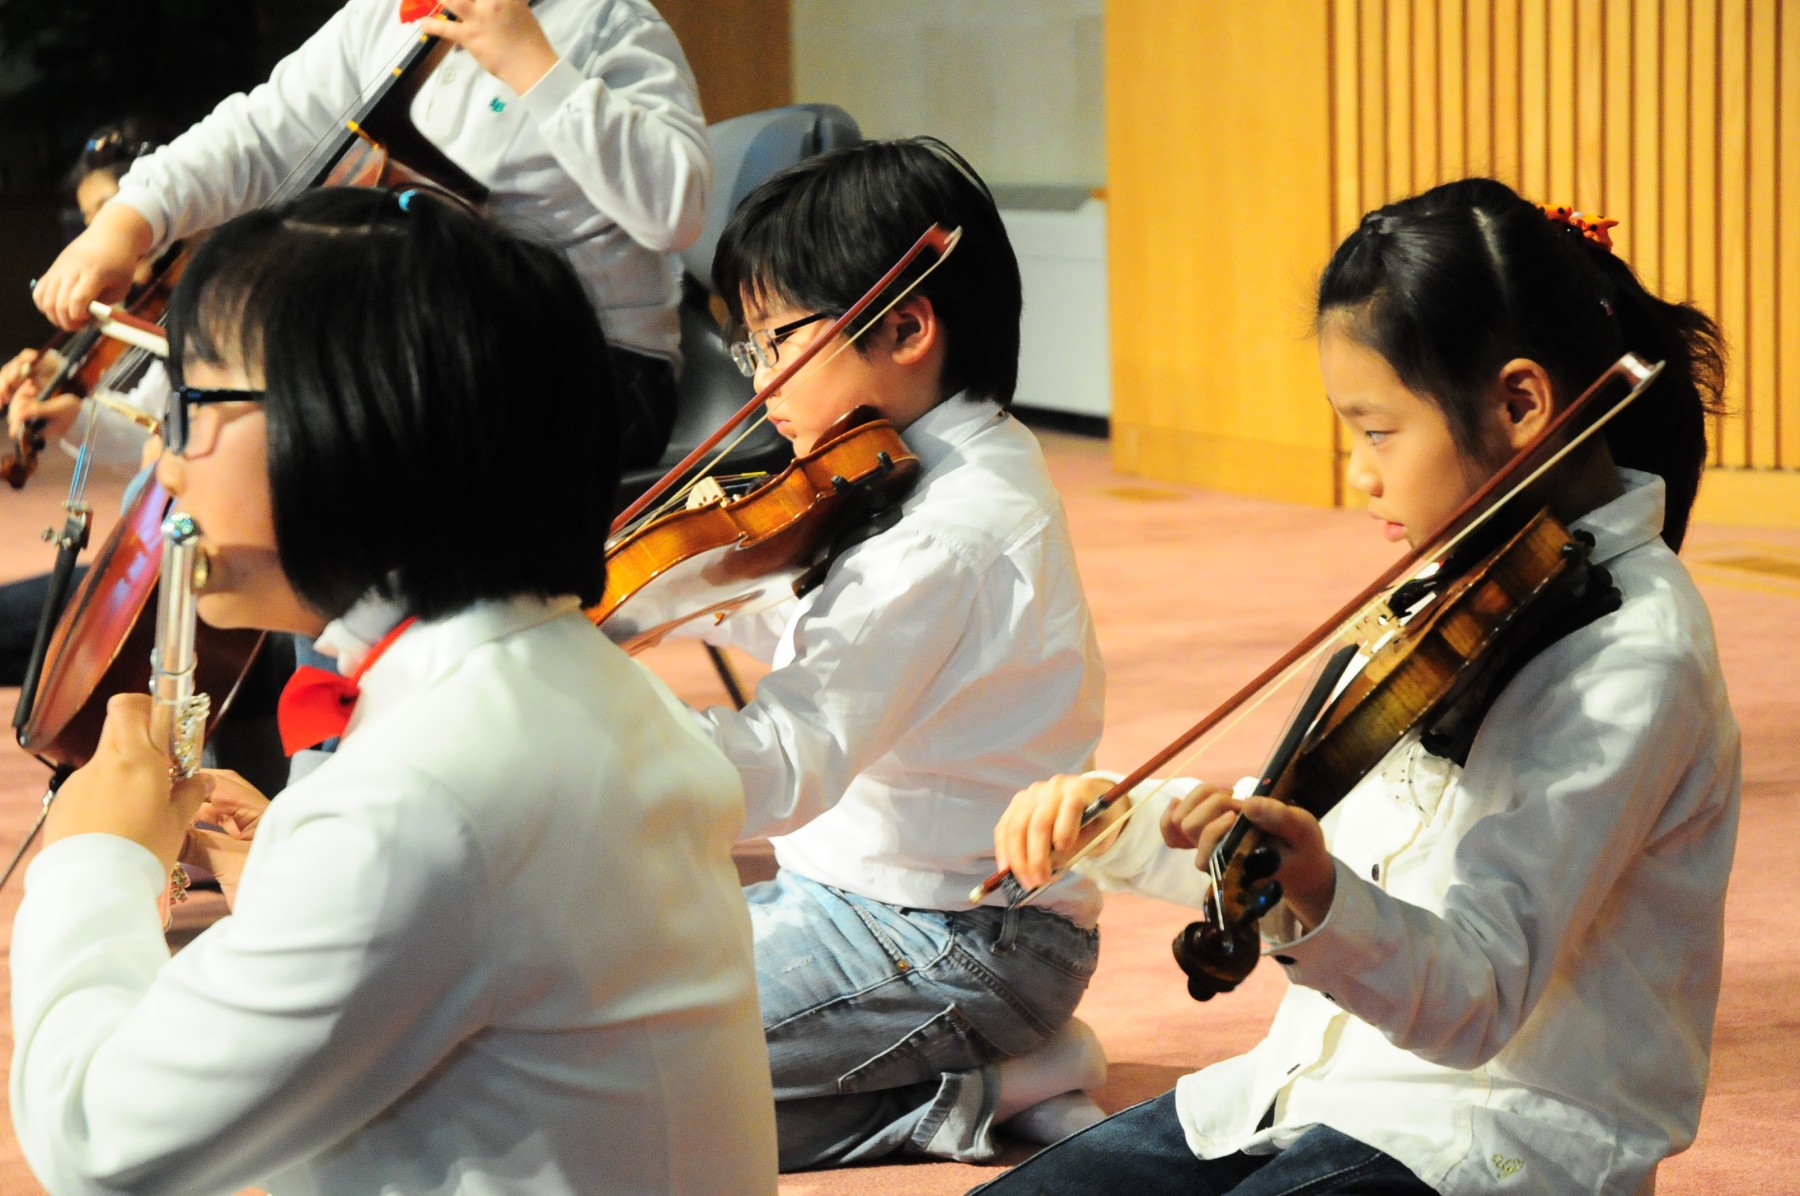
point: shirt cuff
(1339, 945)
(73, 865)
(545, 96)
(145, 205)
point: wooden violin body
(746, 554)
(102, 639)
(101, 645)
(1438, 670)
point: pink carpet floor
(1193, 593)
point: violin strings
(1201, 745)
(308, 162)
(1287, 674)
(679, 494)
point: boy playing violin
(1504, 966)
(938, 666)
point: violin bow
(935, 238)
(1533, 461)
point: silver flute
(178, 714)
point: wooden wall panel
(1681, 118)
(1215, 237)
(740, 52)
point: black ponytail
(1451, 284)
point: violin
(735, 556)
(1438, 634)
(99, 643)
(741, 555)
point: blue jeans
(885, 1025)
(1143, 1151)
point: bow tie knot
(315, 703)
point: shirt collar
(937, 433)
(1634, 518)
(427, 651)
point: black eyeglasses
(761, 350)
(183, 434)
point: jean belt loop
(1009, 931)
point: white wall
(1016, 85)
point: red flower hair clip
(1594, 228)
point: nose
(171, 473)
(1360, 472)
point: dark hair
(819, 234)
(1451, 284)
(439, 401)
(111, 149)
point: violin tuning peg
(1262, 899)
(1263, 861)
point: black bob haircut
(819, 234)
(1451, 284)
(439, 404)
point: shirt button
(1375, 872)
(1284, 960)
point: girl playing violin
(495, 943)
(1504, 971)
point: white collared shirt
(1514, 988)
(495, 944)
(941, 666)
(606, 157)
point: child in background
(496, 942)
(1504, 972)
(580, 117)
(938, 666)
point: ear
(1525, 401)
(914, 328)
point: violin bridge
(1374, 629)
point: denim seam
(988, 980)
(890, 947)
(834, 1000)
(1317, 1182)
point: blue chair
(746, 150)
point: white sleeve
(625, 123)
(868, 646)
(238, 157)
(350, 967)
(1574, 779)
(1140, 861)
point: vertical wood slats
(1680, 118)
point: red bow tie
(316, 703)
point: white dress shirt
(495, 944)
(941, 666)
(606, 157)
(1515, 985)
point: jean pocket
(1058, 943)
(948, 1041)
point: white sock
(1050, 1121)
(1069, 1060)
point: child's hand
(1308, 875)
(1042, 827)
(235, 807)
(54, 414)
(15, 373)
(125, 789)
(502, 35)
(99, 264)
